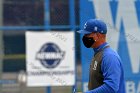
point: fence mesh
(17, 17)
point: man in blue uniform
(106, 70)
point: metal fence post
(72, 14)
(73, 28)
(1, 42)
(47, 22)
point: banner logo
(50, 55)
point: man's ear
(101, 37)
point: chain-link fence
(19, 16)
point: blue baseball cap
(94, 25)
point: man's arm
(111, 69)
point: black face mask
(88, 41)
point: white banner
(50, 58)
